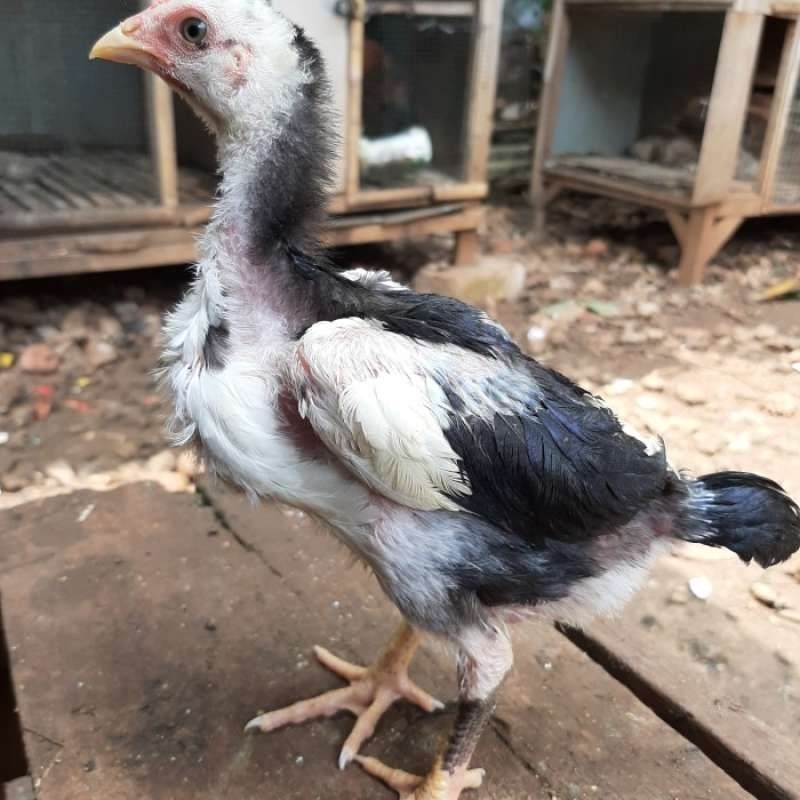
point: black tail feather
(748, 514)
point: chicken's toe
(372, 691)
(437, 785)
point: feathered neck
(276, 176)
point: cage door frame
(162, 136)
(785, 90)
(482, 76)
(727, 109)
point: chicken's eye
(194, 31)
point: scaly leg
(371, 692)
(484, 661)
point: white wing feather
(370, 396)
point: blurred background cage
(688, 106)
(101, 169)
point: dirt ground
(711, 369)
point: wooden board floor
(654, 176)
(730, 683)
(42, 190)
(144, 629)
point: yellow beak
(119, 45)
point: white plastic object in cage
(413, 145)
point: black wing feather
(561, 468)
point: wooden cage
(690, 106)
(100, 170)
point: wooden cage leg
(677, 222)
(541, 199)
(694, 246)
(701, 237)
(539, 216)
(466, 248)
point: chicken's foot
(484, 659)
(372, 691)
(438, 785)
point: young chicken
(479, 486)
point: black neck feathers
(291, 188)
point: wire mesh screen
(787, 175)
(416, 90)
(51, 96)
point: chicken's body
(269, 410)
(478, 485)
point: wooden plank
(650, 176)
(482, 88)
(427, 8)
(337, 204)
(386, 218)
(699, 228)
(678, 223)
(782, 100)
(427, 193)
(106, 188)
(46, 196)
(149, 247)
(579, 732)
(7, 204)
(69, 220)
(460, 191)
(722, 232)
(132, 177)
(704, 234)
(468, 219)
(191, 216)
(656, 5)
(81, 183)
(195, 188)
(161, 123)
(588, 737)
(548, 107)
(624, 190)
(716, 680)
(727, 109)
(465, 252)
(98, 252)
(788, 209)
(55, 182)
(26, 193)
(22, 199)
(150, 700)
(785, 9)
(353, 122)
(746, 205)
(377, 198)
(32, 193)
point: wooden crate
(600, 92)
(70, 209)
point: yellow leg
(372, 691)
(485, 658)
(439, 784)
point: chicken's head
(237, 62)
